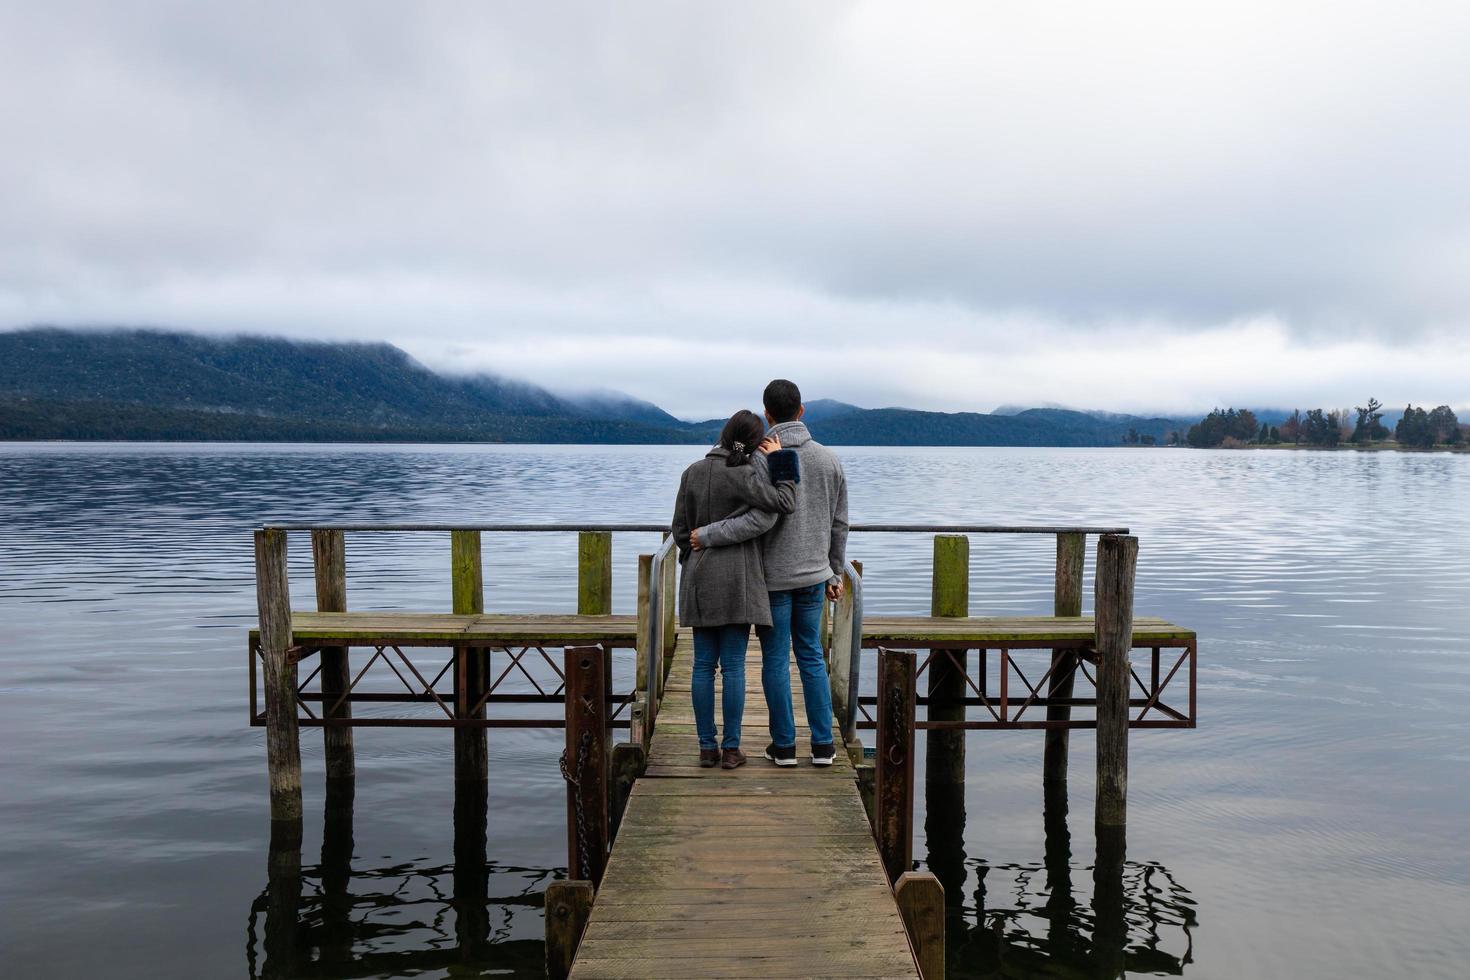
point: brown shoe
(709, 758)
(732, 759)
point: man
(804, 555)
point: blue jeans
(724, 645)
(796, 621)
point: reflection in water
(1026, 920)
(337, 921)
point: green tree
(1321, 428)
(1445, 425)
(1291, 429)
(1414, 429)
(1370, 427)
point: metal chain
(895, 740)
(584, 750)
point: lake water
(1315, 823)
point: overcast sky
(1131, 206)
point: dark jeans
(796, 622)
(724, 645)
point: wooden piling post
(585, 762)
(471, 756)
(944, 760)
(594, 573)
(895, 761)
(866, 775)
(568, 905)
(282, 735)
(1067, 601)
(840, 670)
(1117, 559)
(920, 899)
(329, 561)
(645, 625)
(628, 761)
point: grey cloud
(894, 181)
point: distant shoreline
(1374, 447)
(1341, 447)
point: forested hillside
(151, 384)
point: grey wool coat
(722, 586)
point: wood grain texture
(568, 903)
(282, 733)
(1117, 558)
(594, 573)
(920, 899)
(754, 872)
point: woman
(723, 590)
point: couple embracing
(761, 526)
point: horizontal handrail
(656, 528)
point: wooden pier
(757, 871)
(677, 871)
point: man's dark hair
(783, 400)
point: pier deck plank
(445, 629)
(756, 872)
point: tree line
(1417, 428)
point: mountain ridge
(148, 384)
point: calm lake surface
(1315, 824)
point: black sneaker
(823, 755)
(780, 756)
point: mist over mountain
(135, 384)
